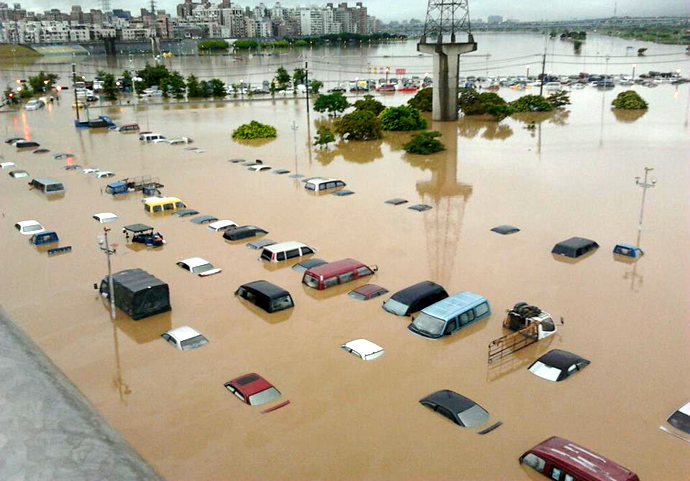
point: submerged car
(414, 298)
(556, 365)
(254, 390)
(450, 315)
(29, 227)
(265, 295)
(184, 338)
(199, 266)
(363, 349)
(244, 232)
(461, 410)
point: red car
(254, 390)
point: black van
(137, 293)
(414, 298)
(267, 296)
(47, 185)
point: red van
(562, 460)
(334, 273)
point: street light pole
(645, 185)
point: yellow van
(163, 204)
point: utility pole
(111, 290)
(306, 81)
(645, 185)
(543, 67)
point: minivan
(150, 137)
(160, 204)
(562, 460)
(334, 273)
(47, 185)
(414, 298)
(450, 315)
(319, 184)
(285, 250)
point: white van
(319, 184)
(151, 137)
(285, 250)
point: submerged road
(48, 429)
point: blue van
(45, 237)
(450, 315)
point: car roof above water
(454, 305)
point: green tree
(371, 104)
(422, 100)
(193, 90)
(315, 86)
(424, 143)
(299, 76)
(176, 85)
(359, 125)
(217, 87)
(127, 80)
(254, 130)
(109, 88)
(402, 118)
(531, 103)
(323, 137)
(42, 81)
(629, 100)
(331, 103)
(282, 76)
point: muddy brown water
(574, 175)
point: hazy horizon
(388, 10)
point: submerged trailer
(529, 325)
(137, 293)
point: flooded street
(574, 175)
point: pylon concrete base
(446, 71)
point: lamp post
(645, 185)
(633, 72)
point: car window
(330, 282)
(347, 277)
(306, 250)
(364, 271)
(292, 253)
(481, 309)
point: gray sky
(387, 10)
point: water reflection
(628, 116)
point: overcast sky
(387, 10)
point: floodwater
(574, 175)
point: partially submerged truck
(137, 293)
(529, 325)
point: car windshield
(473, 416)
(193, 343)
(429, 324)
(263, 397)
(545, 372)
(311, 281)
(31, 228)
(397, 308)
(203, 268)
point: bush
(371, 104)
(629, 100)
(213, 44)
(402, 118)
(332, 103)
(531, 103)
(359, 125)
(422, 100)
(254, 130)
(324, 136)
(424, 143)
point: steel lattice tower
(445, 18)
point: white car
(197, 265)
(180, 140)
(185, 338)
(259, 168)
(7, 165)
(221, 225)
(105, 217)
(90, 170)
(34, 105)
(364, 349)
(29, 227)
(103, 173)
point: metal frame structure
(446, 17)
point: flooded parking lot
(574, 175)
